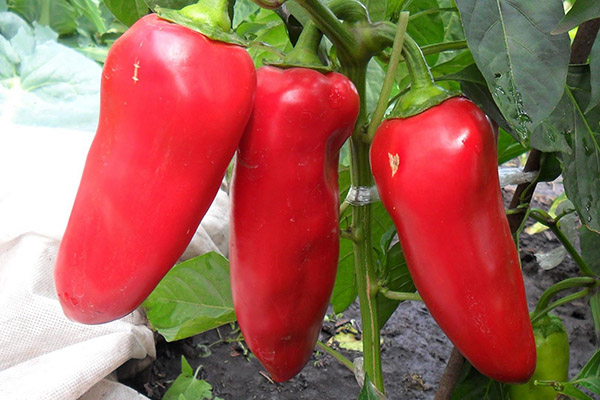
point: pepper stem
(214, 13)
(305, 51)
(423, 93)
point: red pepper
(173, 108)
(436, 173)
(284, 241)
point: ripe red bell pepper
(436, 173)
(284, 240)
(174, 105)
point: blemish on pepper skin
(394, 163)
(136, 67)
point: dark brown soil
(415, 350)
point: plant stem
(392, 295)
(343, 40)
(433, 11)
(390, 77)
(450, 376)
(560, 286)
(446, 46)
(337, 355)
(364, 265)
(557, 303)
(548, 221)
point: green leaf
(591, 368)
(266, 27)
(591, 383)
(170, 4)
(523, 64)
(508, 147)
(581, 11)
(376, 8)
(42, 82)
(369, 391)
(595, 306)
(397, 278)
(458, 62)
(574, 393)
(242, 11)
(474, 87)
(595, 74)
(475, 386)
(187, 387)
(590, 248)
(59, 15)
(375, 77)
(91, 11)
(344, 289)
(571, 131)
(127, 11)
(425, 28)
(195, 296)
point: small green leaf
(170, 4)
(345, 289)
(195, 296)
(187, 387)
(595, 306)
(591, 383)
(127, 11)
(591, 368)
(508, 147)
(475, 386)
(425, 28)
(396, 278)
(581, 11)
(571, 390)
(369, 391)
(590, 248)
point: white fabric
(43, 355)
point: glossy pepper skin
(174, 105)
(436, 173)
(552, 344)
(284, 239)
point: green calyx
(208, 17)
(423, 93)
(213, 13)
(304, 54)
(548, 325)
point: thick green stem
(362, 216)
(343, 40)
(337, 355)
(390, 77)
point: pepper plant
(531, 72)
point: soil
(414, 349)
